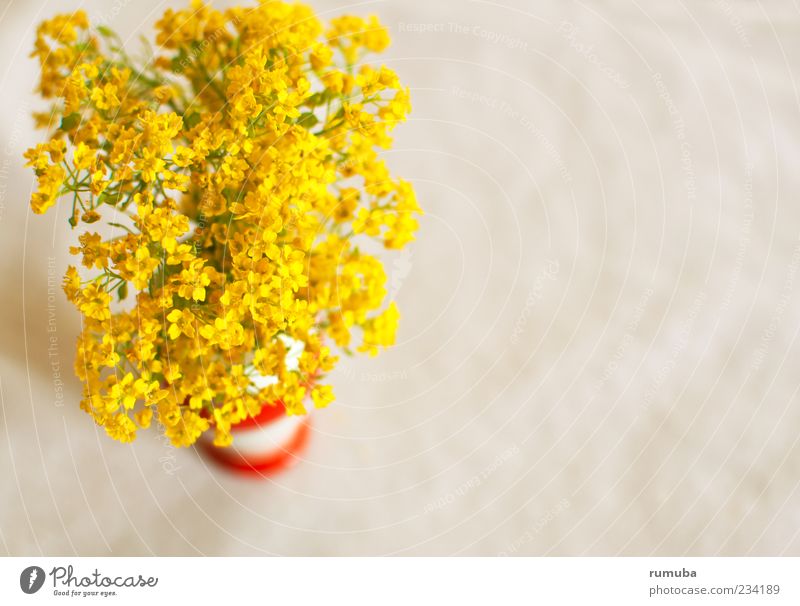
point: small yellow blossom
(149, 165)
(183, 156)
(83, 156)
(181, 321)
(380, 330)
(322, 395)
(121, 428)
(193, 281)
(94, 302)
(144, 417)
(225, 332)
(105, 97)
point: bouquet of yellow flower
(221, 184)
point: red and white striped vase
(262, 445)
(271, 441)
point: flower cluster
(221, 186)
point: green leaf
(179, 61)
(319, 98)
(307, 120)
(122, 291)
(70, 122)
(108, 198)
(191, 120)
(104, 31)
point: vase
(262, 445)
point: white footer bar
(406, 581)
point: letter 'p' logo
(31, 579)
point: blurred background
(598, 352)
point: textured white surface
(598, 352)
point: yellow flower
(322, 395)
(149, 165)
(380, 330)
(193, 281)
(338, 82)
(57, 148)
(321, 56)
(354, 35)
(105, 97)
(139, 268)
(50, 181)
(93, 249)
(187, 429)
(72, 283)
(98, 183)
(83, 156)
(37, 157)
(94, 302)
(369, 221)
(144, 417)
(163, 93)
(225, 332)
(181, 321)
(234, 182)
(183, 156)
(121, 428)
